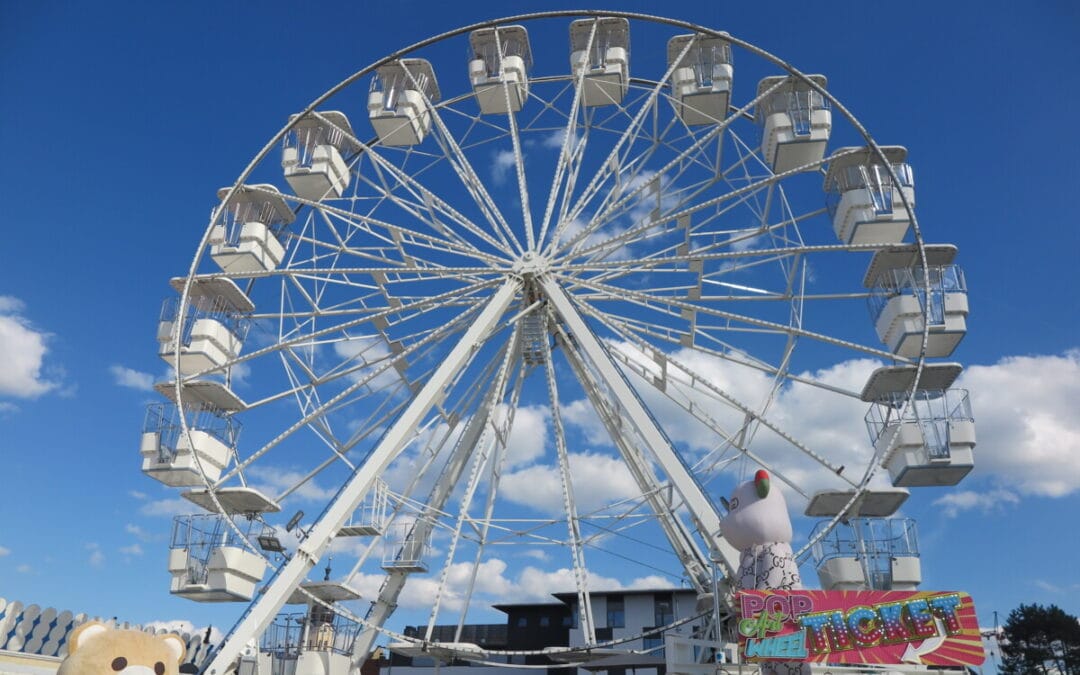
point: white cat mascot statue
(758, 525)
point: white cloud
(1026, 423)
(273, 480)
(7, 408)
(183, 627)
(955, 503)
(24, 569)
(97, 557)
(134, 549)
(1056, 588)
(24, 349)
(140, 534)
(137, 495)
(3, 550)
(168, 507)
(597, 480)
(502, 163)
(134, 379)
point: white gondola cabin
(933, 443)
(499, 68)
(899, 299)
(317, 642)
(880, 554)
(214, 327)
(600, 59)
(701, 84)
(796, 122)
(369, 520)
(862, 198)
(398, 101)
(406, 547)
(314, 155)
(181, 460)
(209, 562)
(247, 234)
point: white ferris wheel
(483, 304)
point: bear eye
(119, 663)
(159, 668)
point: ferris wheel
(492, 304)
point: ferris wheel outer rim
(874, 466)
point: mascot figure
(97, 649)
(758, 525)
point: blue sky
(119, 122)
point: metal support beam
(702, 512)
(262, 612)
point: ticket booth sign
(934, 628)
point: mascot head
(757, 514)
(96, 649)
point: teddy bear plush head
(97, 649)
(757, 514)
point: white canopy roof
(895, 154)
(677, 44)
(234, 500)
(898, 379)
(327, 591)
(485, 36)
(216, 288)
(906, 256)
(203, 393)
(415, 67)
(795, 83)
(880, 503)
(263, 193)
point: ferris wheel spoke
(441, 333)
(467, 175)
(569, 506)
(672, 305)
(574, 243)
(475, 428)
(688, 553)
(612, 166)
(572, 150)
(655, 371)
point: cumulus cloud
(494, 583)
(138, 532)
(597, 480)
(502, 163)
(134, 549)
(274, 480)
(4, 551)
(134, 379)
(97, 557)
(168, 507)
(24, 349)
(24, 569)
(1026, 423)
(954, 503)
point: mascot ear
(176, 646)
(85, 633)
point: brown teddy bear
(97, 649)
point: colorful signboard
(934, 628)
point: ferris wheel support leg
(259, 615)
(702, 512)
(697, 568)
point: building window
(616, 613)
(545, 621)
(663, 609)
(522, 621)
(654, 644)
